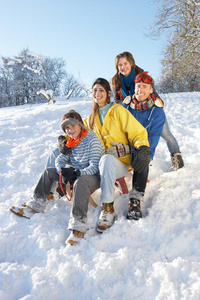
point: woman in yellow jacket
(115, 125)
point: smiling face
(124, 66)
(99, 95)
(142, 91)
(73, 130)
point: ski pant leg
(139, 184)
(82, 188)
(52, 157)
(172, 143)
(110, 169)
(42, 189)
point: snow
(48, 94)
(157, 257)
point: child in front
(79, 165)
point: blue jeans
(170, 139)
(110, 169)
(52, 157)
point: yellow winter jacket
(119, 126)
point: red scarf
(74, 142)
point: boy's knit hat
(71, 117)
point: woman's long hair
(95, 107)
(115, 81)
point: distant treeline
(30, 78)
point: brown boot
(74, 237)
(106, 218)
(50, 197)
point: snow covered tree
(54, 73)
(12, 74)
(30, 77)
(71, 87)
(22, 80)
(180, 20)
(5, 87)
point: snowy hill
(157, 257)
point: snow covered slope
(157, 257)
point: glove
(62, 145)
(127, 100)
(141, 159)
(70, 174)
(118, 150)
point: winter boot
(74, 237)
(23, 211)
(177, 161)
(106, 217)
(134, 210)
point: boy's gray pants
(82, 188)
(42, 189)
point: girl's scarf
(127, 81)
(147, 104)
(74, 142)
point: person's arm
(96, 151)
(158, 97)
(136, 133)
(87, 122)
(155, 128)
(138, 138)
(61, 162)
(138, 70)
(116, 97)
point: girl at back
(123, 86)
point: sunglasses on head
(143, 77)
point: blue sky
(88, 34)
